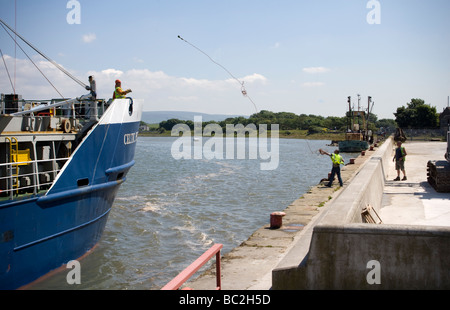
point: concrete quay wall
(345, 252)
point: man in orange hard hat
(118, 92)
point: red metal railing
(178, 281)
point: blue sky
(296, 56)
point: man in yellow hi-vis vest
(118, 92)
(336, 170)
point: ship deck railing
(15, 183)
(78, 108)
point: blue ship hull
(42, 233)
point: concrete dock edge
(341, 251)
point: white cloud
(159, 90)
(165, 92)
(89, 38)
(313, 84)
(110, 72)
(192, 82)
(276, 45)
(30, 83)
(255, 77)
(314, 70)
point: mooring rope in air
(312, 152)
(243, 90)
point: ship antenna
(243, 91)
(46, 57)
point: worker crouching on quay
(336, 169)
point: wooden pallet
(369, 215)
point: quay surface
(414, 201)
(270, 253)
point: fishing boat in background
(357, 136)
(62, 162)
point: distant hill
(155, 117)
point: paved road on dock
(414, 201)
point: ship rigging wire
(17, 44)
(243, 90)
(7, 71)
(42, 54)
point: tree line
(286, 121)
(416, 114)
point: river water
(168, 212)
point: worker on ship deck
(118, 92)
(92, 87)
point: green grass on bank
(286, 134)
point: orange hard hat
(118, 81)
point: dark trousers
(335, 171)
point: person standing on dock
(399, 157)
(336, 170)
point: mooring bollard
(276, 219)
(352, 161)
(363, 153)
